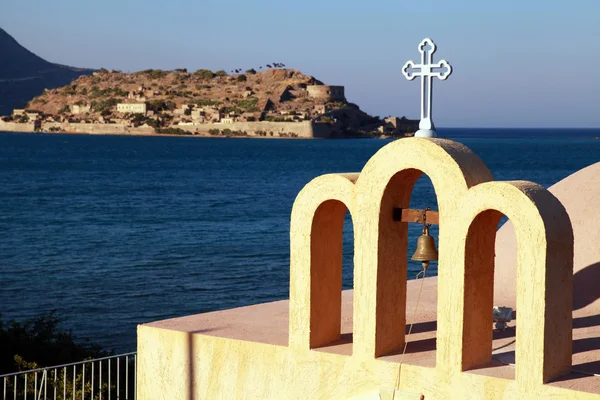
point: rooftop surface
(268, 323)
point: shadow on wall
(586, 286)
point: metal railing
(107, 378)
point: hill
(24, 75)
(207, 102)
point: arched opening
(331, 266)
(421, 304)
(488, 341)
(394, 307)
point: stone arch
(316, 259)
(380, 274)
(544, 279)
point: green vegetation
(274, 119)
(22, 119)
(205, 74)
(43, 341)
(206, 102)
(154, 73)
(173, 131)
(241, 78)
(227, 110)
(116, 91)
(70, 90)
(104, 106)
(251, 71)
(248, 104)
(153, 122)
(160, 105)
(221, 73)
(64, 110)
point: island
(276, 102)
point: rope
(422, 278)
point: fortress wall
(326, 92)
(16, 127)
(108, 129)
(304, 129)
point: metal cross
(427, 73)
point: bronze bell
(426, 250)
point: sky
(519, 63)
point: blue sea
(113, 231)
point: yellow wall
(194, 366)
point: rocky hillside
(24, 75)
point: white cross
(427, 73)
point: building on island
(398, 126)
(132, 108)
(326, 92)
(79, 109)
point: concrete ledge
(232, 353)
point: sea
(114, 231)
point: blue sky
(515, 65)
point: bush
(274, 119)
(41, 339)
(227, 110)
(153, 122)
(184, 70)
(251, 119)
(154, 73)
(241, 78)
(104, 105)
(156, 106)
(204, 74)
(251, 71)
(206, 102)
(221, 73)
(248, 104)
(64, 110)
(173, 131)
(214, 131)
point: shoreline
(198, 135)
(261, 130)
